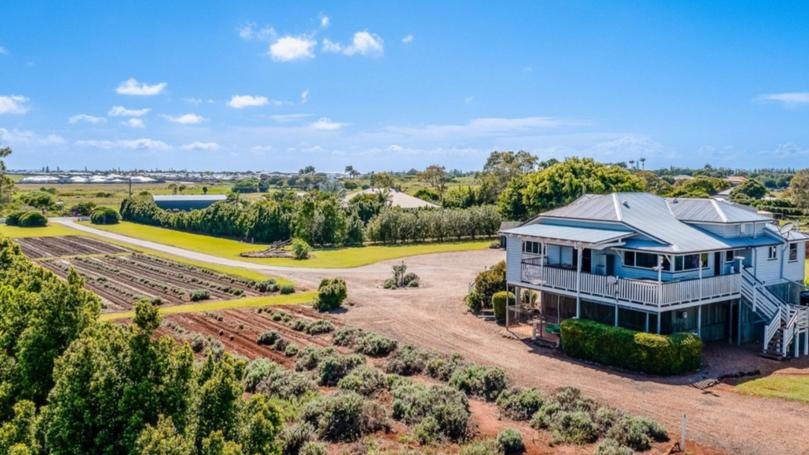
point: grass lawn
(326, 258)
(54, 229)
(789, 387)
(247, 302)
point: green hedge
(105, 215)
(29, 218)
(499, 305)
(624, 348)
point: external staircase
(785, 322)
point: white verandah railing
(639, 292)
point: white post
(506, 306)
(683, 426)
(647, 323)
(699, 320)
(616, 316)
(659, 281)
(659, 317)
(700, 276)
(578, 280)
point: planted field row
(122, 280)
(71, 245)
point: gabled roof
(713, 211)
(188, 197)
(653, 217)
(569, 233)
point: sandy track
(434, 316)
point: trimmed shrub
(344, 417)
(489, 447)
(266, 286)
(499, 301)
(334, 367)
(414, 402)
(105, 215)
(256, 371)
(480, 381)
(611, 447)
(427, 431)
(311, 357)
(300, 249)
(291, 350)
(485, 285)
(364, 380)
(299, 325)
(293, 437)
(442, 367)
(637, 433)
(268, 338)
(347, 336)
(200, 294)
(27, 219)
(286, 385)
(510, 441)
(287, 289)
(637, 351)
(330, 294)
(374, 345)
(407, 361)
(318, 327)
(519, 404)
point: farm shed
(187, 202)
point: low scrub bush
(318, 327)
(499, 301)
(334, 367)
(485, 285)
(281, 316)
(401, 278)
(344, 417)
(347, 336)
(569, 417)
(200, 294)
(293, 437)
(299, 325)
(510, 442)
(331, 293)
(27, 219)
(519, 404)
(268, 338)
(291, 350)
(610, 446)
(375, 345)
(637, 433)
(480, 381)
(255, 371)
(287, 289)
(488, 447)
(442, 367)
(427, 431)
(300, 249)
(314, 448)
(364, 380)
(266, 286)
(637, 351)
(266, 376)
(105, 215)
(407, 361)
(413, 402)
(310, 357)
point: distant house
(187, 201)
(735, 180)
(651, 264)
(398, 199)
(682, 178)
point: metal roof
(568, 233)
(790, 236)
(189, 197)
(713, 211)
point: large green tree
(500, 169)
(799, 187)
(6, 184)
(561, 183)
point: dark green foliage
(427, 430)
(200, 294)
(344, 416)
(347, 336)
(84, 208)
(368, 205)
(330, 294)
(248, 185)
(486, 284)
(747, 190)
(334, 367)
(487, 447)
(293, 437)
(624, 348)
(375, 345)
(407, 361)
(26, 219)
(397, 225)
(442, 367)
(510, 441)
(314, 448)
(700, 186)
(499, 301)
(413, 402)
(266, 286)
(637, 433)
(105, 215)
(268, 338)
(519, 404)
(287, 289)
(610, 446)
(300, 249)
(480, 381)
(319, 327)
(365, 380)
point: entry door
(610, 265)
(587, 260)
(717, 263)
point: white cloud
(24, 137)
(788, 99)
(324, 21)
(407, 39)
(79, 118)
(486, 126)
(289, 48)
(3, 51)
(250, 32)
(185, 119)
(364, 43)
(14, 104)
(259, 149)
(204, 146)
(132, 87)
(305, 96)
(134, 123)
(468, 99)
(129, 144)
(194, 100)
(120, 111)
(326, 124)
(288, 118)
(242, 101)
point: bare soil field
(71, 245)
(237, 331)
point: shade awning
(568, 233)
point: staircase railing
(762, 299)
(770, 330)
(791, 315)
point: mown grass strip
(319, 258)
(786, 386)
(216, 305)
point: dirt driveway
(433, 316)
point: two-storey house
(661, 265)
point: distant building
(682, 177)
(187, 201)
(735, 180)
(399, 199)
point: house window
(730, 256)
(772, 253)
(689, 262)
(531, 247)
(642, 260)
(793, 251)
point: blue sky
(395, 85)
